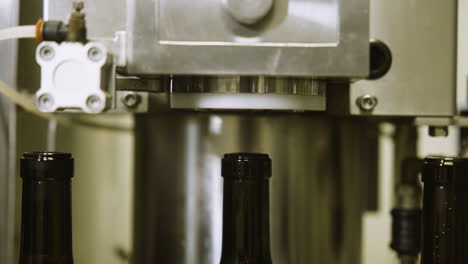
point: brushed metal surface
(422, 35)
(315, 38)
(247, 84)
(292, 23)
(315, 195)
(247, 92)
(9, 12)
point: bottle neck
(445, 213)
(246, 229)
(46, 234)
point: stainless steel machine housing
(319, 38)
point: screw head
(95, 54)
(94, 103)
(45, 102)
(47, 53)
(131, 99)
(367, 102)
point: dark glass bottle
(445, 211)
(46, 234)
(246, 228)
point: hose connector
(58, 31)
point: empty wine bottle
(445, 211)
(46, 235)
(246, 228)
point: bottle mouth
(436, 161)
(46, 156)
(244, 156)
(443, 170)
(246, 166)
(46, 165)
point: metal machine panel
(422, 35)
(319, 38)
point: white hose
(18, 32)
(17, 97)
(27, 104)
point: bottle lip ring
(46, 165)
(246, 166)
(438, 161)
(46, 156)
(244, 156)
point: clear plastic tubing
(18, 32)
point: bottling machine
(305, 81)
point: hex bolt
(131, 99)
(94, 103)
(47, 53)
(367, 102)
(95, 54)
(45, 102)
